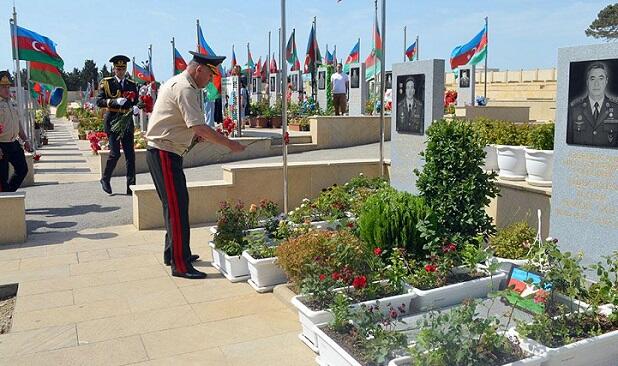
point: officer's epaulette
(612, 99)
(578, 100)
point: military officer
(11, 129)
(118, 95)
(410, 111)
(593, 118)
(177, 119)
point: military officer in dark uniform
(593, 117)
(114, 96)
(410, 111)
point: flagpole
(335, 56)
(417, 48)
(197, 32)
(375, 78)
(405, 46)
(314, 72)
(20, 101)
(29, 109)
(173, 57)
(268, 70)
(284, 109)
(382, 86)
(359, 53)
(486, 54)
(150, 63)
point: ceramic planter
(275, 122)
(505, 264)
(265, 273)
(262, 122)
(512, 162)
(234, 268)
(598, 351)
(539, 165)
(535, 360)
(331, 354)
(441, 297)
(491, 158)
(310, 318)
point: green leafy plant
(514, 241)
(232, 221)
(510, 133)
(454, 185)
(605, 290)
(259, 248)
(389, 220)
(541, 137)
(333, 203)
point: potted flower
(262, 262)
(540, 156)
(512, 244)
(265, 113)
(254, 111)
(275, 120)
(229, 242)
(512, 141)
(300, 123)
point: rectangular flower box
(265, 273)
(536, 360)
(330, 353)
(234, 268)
(310, 318)
(441, 297)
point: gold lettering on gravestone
(592, 178)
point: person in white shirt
(340, 85)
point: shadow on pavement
(60, 237)
(71, 210)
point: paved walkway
(72, 200)
(103, 297)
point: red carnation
(36, 157)
(359, 282)
(377, 251)
(322, 277)
(449, 248)
(336, 276)
(430, 268)
(130, 95)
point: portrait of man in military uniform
(321, 80)
(410, 101)
(592, 118)
(389, 80)
(464, 78)
(354, 79)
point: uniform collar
(592, 101)
(118, 79)
(189, 79)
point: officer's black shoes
(129, 192)
(194, 257)
(192, 274)
(107, 188)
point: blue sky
(523, 34)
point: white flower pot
(598, 351)
(331, 354)
(265, 273)
(539, 165)
(512, 162)
(505, 264)
(491, 158)
(441, 297)
(535, 360)
(234, 268)
(310, 318)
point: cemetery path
(68, 198)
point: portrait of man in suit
(410, 102)
(464, 78)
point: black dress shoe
(193, 258)
(192, 274)
(129, 192)
(107, 188)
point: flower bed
(234, 268)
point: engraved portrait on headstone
(254, 86)
(464, 78)
(410, 101)
(273, 84)
(354, 78)
(322, 80)
(389, 80)
(592, 118)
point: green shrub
(541, 137)
(389, 220)
(454, 185)
(513, 241)
(486, 129)
(509, 133)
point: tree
(104, 72)
(605, 26)
(89, 73)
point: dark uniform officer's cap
(5, 78)
(119, 60)
(211, 61)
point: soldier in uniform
(11, 129)
(593, 117)
(410, 111)
(176, 120)
(113, 95)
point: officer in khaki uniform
(177, 118)
(410, 111)
(593, 118)
(11, 151)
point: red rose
(322, 277)
(350, 225)
(449, 248)
(36, 157)
(130, 95)
(336, 276)
(430, 268)
(359, 282)
(377, 251)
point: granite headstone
(418, 93)
(322, 100)
(465, 85)
(358, 89)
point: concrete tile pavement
(109, 300)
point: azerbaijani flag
(258, 68)
(234, 62)
(32, 46)
(142, 74)
(250, 64)
(313, 56)
(290, 52)
(472, 52)
(214, 87)
(372, 63)
(179, 63)
(273, 64)
(353, 57)
(328, 58)
(411, 51)
(48, 74)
